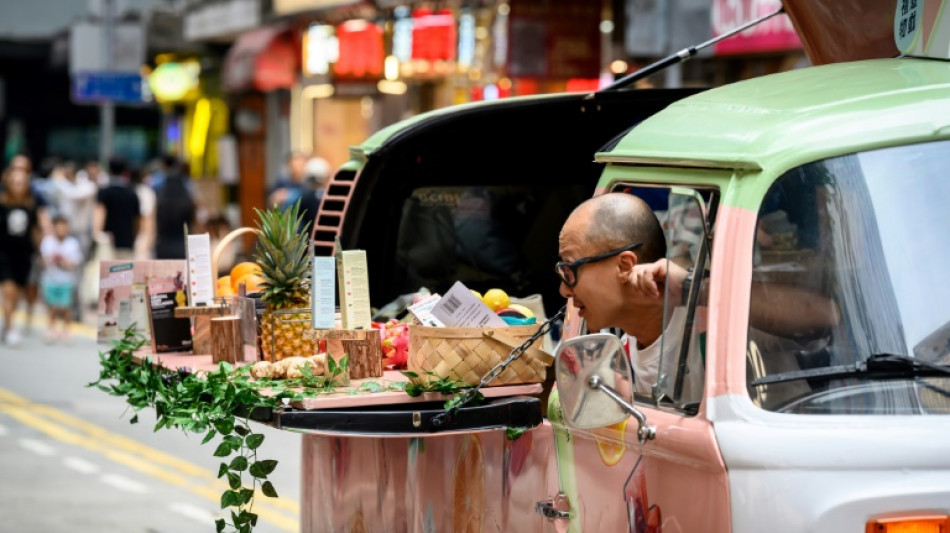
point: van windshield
(850, 266)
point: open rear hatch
(477, 194)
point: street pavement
(71, 461)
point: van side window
(670, 371)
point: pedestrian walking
(19, 233)
(62, 255)
(175, 208)
(145, 239)
(39, 191)
(118, 213)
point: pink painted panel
(729, 302)
(476, 482)
(676, 482)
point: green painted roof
(783, 120)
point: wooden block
(226, 343)
(363, 346)
(366, 356)
(201, 340)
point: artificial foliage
(217, 404)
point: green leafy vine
(443, 385)
(217, 403)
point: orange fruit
(251, 280)
(242, 269)
(224, 290)
(611, 443)
(468, 496)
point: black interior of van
(479, 196)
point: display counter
(373, 462)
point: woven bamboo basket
(467, 354)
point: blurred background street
(70, 460)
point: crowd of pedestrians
(56, 224)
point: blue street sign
(116, 87)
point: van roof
(798, 116)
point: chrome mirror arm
(644, 432)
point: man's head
(117, 168)
(21, 162)
(604, 224)
(297, 167)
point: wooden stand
(201, 340)
(363, 346)
(226, 342)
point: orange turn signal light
(910, 524)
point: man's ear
(625, 265)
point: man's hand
(651, 279)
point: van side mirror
(595, 383)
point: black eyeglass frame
(574, 265)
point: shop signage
(287, 7)
(320, 49)
(116, 87)
(221, 19)
(170, 82)
(86, 53)
(775, 34)
(554, 39)
(361, 50)
(433, 35)
(656, 28)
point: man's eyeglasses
(568, 271)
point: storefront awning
(264, 59)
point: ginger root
(289, 368)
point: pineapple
(283, 254)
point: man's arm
(779, 309)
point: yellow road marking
(27, 414)
(132, 446)
(80, 328)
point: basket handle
(219, 249)
(511, 342)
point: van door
(676, 481)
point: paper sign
(169, 334)
(323, 292)
(422, 310)
(354, 289)
(460, 308)
(200, 278)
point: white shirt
(75, 200)
(646, 362)
(67, 250)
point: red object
(395, 341)
(434, 36)
(264, 59)
(361, 50)
(582, 85)
(775, 34)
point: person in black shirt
(174, 209)
(19, 234)
(118, 212)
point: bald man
(613, 265)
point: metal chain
(470, 394)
